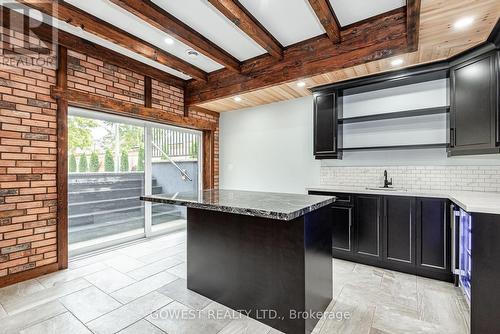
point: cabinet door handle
(452, 137)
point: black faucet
(387, 183)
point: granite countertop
(470, 201)
(278, 206)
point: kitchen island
(267, 254)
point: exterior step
(103, 205)
(97, 177)
(88, 232)
(105, 185)
(87, 196)
(115, 214)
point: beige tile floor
(141, 288)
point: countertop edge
(242, 211)
(457, 197)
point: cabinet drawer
(343, 199)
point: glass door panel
(175, 168)
(112, 161)
(105, 180)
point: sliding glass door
(175, 168)
(112, 162)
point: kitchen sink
(386, 189)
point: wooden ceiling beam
(327, 18)
(413, 23)
(96, 102)
(75, 16)
(237, 14)
(75, 43)
(162, 20)
(378, 38)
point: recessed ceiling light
(237, 99)
(301, 84)
(464, 22)
(169, 41)
(397, 62)
(192, 53)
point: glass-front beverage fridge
(465, 264)
(462, 254)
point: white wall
(269, 148)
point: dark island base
(259, 264)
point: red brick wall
(94, 76)
(28, 142)
(167, 97)
(28, 150)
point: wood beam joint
(148, 92)
(327, 18)
(413, 24)
(237, 14)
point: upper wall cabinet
(325, 126)
(474, 123)
(393, 111)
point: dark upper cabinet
(325, 126)
(433, 235)
(368, 226)
(399, 231)
(474, 109)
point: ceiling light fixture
(169, 41)
(397, 62)
(192, 53)
(463, 22)
(301, 84)
(237, 99)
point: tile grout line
(49, 318)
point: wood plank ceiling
(236, 55)
(438, 40)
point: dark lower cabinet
(368, 226)
(399, 231)
(433, 237)
(342, 229)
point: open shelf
(395, 147)
(393, 115)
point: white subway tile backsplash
(469, 178)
